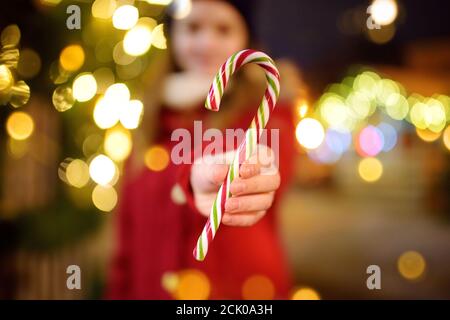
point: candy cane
(252, 134)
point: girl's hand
(252, 192)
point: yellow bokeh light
(446, 138)
(6, 78)
(427, 135)
(258, 287)
(437, 115)
(192, 285)
(118, 144)
(50, 3)
(305, 293)
(104, 198)
(125, 17)
(359, 104)
(102, 170)
(170, 281)
(370, 169)
(159, 2)
(335, 112)
(84, 87)
(77, 173)
(156, 158)
(397, 106)
(131, 115)
(72, 58)
(310, 133)
(120, 56)
(384, 12)
(109, 108)
(158, 38)
(10, 35)
(106, 113)
(20, 94)
(419, 116)
(118, 92)
(138, 40)
(411, 265)
(62, 98)
(20, 125)
(383, 35)
(182, 8)
(29, 63)
(103, 9)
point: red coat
(156, 235)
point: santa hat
(246, 8)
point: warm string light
(114, 110)
(342, 115)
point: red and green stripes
(252, 135)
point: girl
(162, 213)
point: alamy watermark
(210, 146)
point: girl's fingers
(249, 170)
(242, 220)
(250, 203)
(256, 184)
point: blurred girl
(162, 211)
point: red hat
(245, 7)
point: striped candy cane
(252, 134)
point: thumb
(208, 173)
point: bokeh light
(106, 113)
(10, 36)
(397, 106)
(29, 63)
(156, 158)
(103, 9)
(370, 141)
(370, 169)
(158, 38)
(102, 170)
(384, 12)
(411, 265)
(446, 138)
(84, 87)
(104, 198)
(170, 282)
(305, 293)
(258, 287)
(383, 35)
(20, 125)
(390, 136)
(177, 195)
(310, 133)
(125, 17)
(181, 9)
(118, 144)
(20, 94)
(6, 78)
(120, 56)
(72, 58)
(192, 285)
(77, 173)
(131, 114)
(138, 40)
(427, 135)
(62, 98)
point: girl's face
(212, 32)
